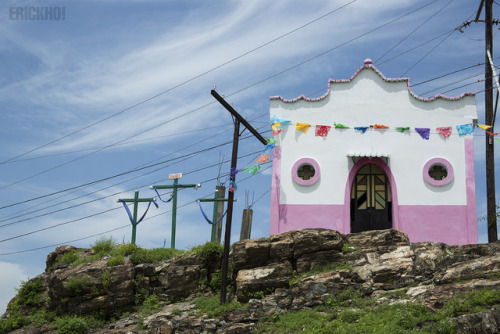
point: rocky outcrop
(279, 274)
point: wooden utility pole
(133, 217)
(215, 217)
(237, 118)
(221, 193)
(246, 224)
(489, 120)
(175, 186)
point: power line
(411, 33)
(180, 84)
(234, 93)
(96, 214)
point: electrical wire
(414, 30)
(180, 84)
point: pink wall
(452, 224)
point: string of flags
(323, 130)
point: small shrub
(208, 251)
(30, 293)
(78, 285)
(216, 281)
(176, 311)
(211, 306)
(68, 258)
(346, 248)
(117, 260)
(149, 306)
(103, 245)
(106, 275)
(72, 324)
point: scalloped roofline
(369, 65)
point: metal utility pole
(175, 186)
(215, 217)
(133, 218)
(237, 118)
(489, 120)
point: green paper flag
(271, 141)
(340, 126)
(498, 140)
(402, 129)
(252, 169)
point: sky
(107, 97)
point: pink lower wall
(452, 224)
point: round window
(305, 171)
(438, 172)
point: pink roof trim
(368, 64)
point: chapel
(370, 154)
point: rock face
(283, 273)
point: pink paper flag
(263, 158)
(322, 130)
(445, 131)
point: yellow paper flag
(275, 126)
(304, 127)
(484, 127)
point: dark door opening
(371, 202)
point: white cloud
(11, 275)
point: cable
(236, 92)
(445, 75)
(95, 214)
(411, 33)
(179, 85)
(441, 42)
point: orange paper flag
(263, 158)
(379, 126)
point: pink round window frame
(438, 161)
(301, 162)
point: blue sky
(118, 85)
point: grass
(208, 251)
(350, 312)
(78, 285)
(213, 309)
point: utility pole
(175, 186)
(215, 217)
(133, 218)
(489, 120)
(237, 118)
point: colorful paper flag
(340, 126)
(380, 126)
(465, 129)
(232, 188)
(423, 132)
(263, 158)
(362, 128)
(304, 127)
(252, 169)
(233, 172)
(275, 126)
(497, 139)
(269, 146)
(444, 131)
(271, 141)
(402, 128)
(322, 130)
(491, 133)
(275, 133)
(483, 126)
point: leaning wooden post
(237, 118)
(221, 193)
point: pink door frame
(347, 199)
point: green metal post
(174, 214)
(134, 223)
(174, 188)
(136, 201)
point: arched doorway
(371, 200)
